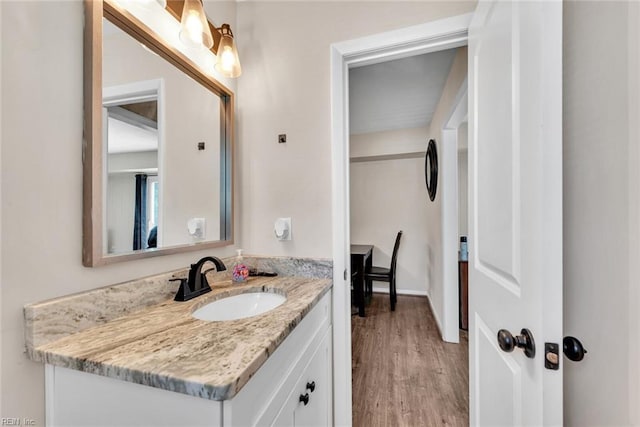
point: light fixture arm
(225, 29)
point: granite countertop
(163, 346)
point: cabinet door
(285, 417)
(317, 374)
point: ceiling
(127, 138)
(399, 94)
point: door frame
(433, 36)
(129, 92)
(450, 215)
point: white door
(515, 192)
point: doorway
(444, 34)
(401, 360)
(133, 153)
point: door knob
(304, 398)
(573, 349)
(524, 341)
(311, 386)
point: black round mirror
(431, 169)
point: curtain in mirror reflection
(140, 216)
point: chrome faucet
(197, 283)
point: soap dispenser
(240, 271)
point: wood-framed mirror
(158, 143)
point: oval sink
(239, 306)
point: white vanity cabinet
(271, 397)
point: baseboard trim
(382, 290)
(438, 323)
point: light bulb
(194, 27)
(227, 60)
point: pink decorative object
(240, 273)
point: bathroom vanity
(159, 365)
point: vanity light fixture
(227, 60)
(196, 31)
(194, 27)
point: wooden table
(361, 261)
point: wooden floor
(403, 373)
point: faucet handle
(183, 291)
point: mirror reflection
(161, 151)
(132, 176)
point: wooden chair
(382, 274)
(354, 304)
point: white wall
(434, 237)
(463, 178)
(121, 205)
(388, 196)
(41, 183)
(285, 89)
(601, 215)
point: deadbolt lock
(551, 356)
